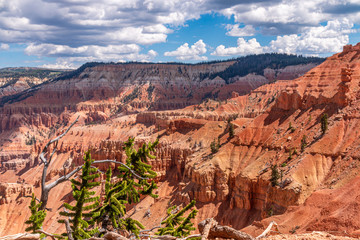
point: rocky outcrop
(10, 192)
(188, 110)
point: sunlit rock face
(187, 110)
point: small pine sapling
(303, 143)
(290, 155)
(231, 130)
(37, 216)
(214, 146)
(82, 215)
(176, 225)
(291, 128)
(324, 123)
(275, 175)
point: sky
(67, 33)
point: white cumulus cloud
(184, 52)
(243, 48)
(315, 40)
(235, 31)
(4, 46)
(110, 53)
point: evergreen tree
(176, 225)
(37, 216)
(324, 123)
(113, 207)
(303, 143)
(129, 188)
(231, 130)
(81, 215)
(215, 146)
(274, 175)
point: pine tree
(215, 146)
(303, 143)
(37, 216)
(112, 207)
(231, 130)
(176, 225)
(274, 175)
(324, 123)
(137, 161)
(81, 215)
(129, 188)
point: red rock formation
(233, 184)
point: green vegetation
(303, 143)
(275, 175)
(291, 128)
(30, 141)
(231, 130)
(89, 217)
(77, 72)
(37, 216)
(324, 123)
(214, 146)
(16, 73)
(242, 66)
(257, 63)
(134, 94)
(82, 215)
(175, 224)
(150, 91)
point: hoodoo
(278, 163)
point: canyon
(187, 107)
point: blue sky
(68, 33)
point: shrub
(214, 146)
(303, 143)
(231, 130)
(275, 175)
(291, 128)
(324, 123)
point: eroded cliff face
(231, 185)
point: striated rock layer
(232, 185)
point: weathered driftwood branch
(27, 236)
(53, 236)
(45, 189)
(268, 229)
(218, 231)
(210, 229)
(168, 237)
(210, 223)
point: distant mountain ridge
(17, 79)
(216, 79)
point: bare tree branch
(150, 230)
(268, 229)
(61, 135)
(68, 230)
(168, 237)
(53, 236)
(218, 231)
(210, 223)
(116, 162)
(46, 188)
